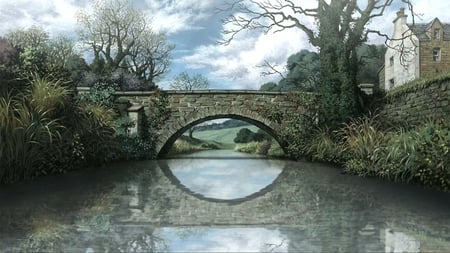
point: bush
(246, 135)
(249, 148)
(135, 148)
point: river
(221, 201)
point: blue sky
(195, 26)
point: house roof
(421, 29)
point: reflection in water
(238, 239)
(136, 207)
(225, 179)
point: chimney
(401, 17)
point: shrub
(433, 155)
(249, 148)
(264, 147)
(135, 148)
(246, 135)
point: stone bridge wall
(189, 108)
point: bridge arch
(173, 130)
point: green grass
(224, 136)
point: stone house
(415, 50)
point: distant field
(224, 136)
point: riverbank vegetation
(365, 148)
(44, 130)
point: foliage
(118, 79)
(135, 148)
(270, 86)
(296, 123)
(246, 135)
(370, 60)
(101, 94)
(41, 55)
(254, 147)
(159, 113)
(123, 124)
(420, 155)
(44, 131)
(97, 133)
(303, 72)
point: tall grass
(24, 133)
(43, 131)
(325, 147)
(360, 138)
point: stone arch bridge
(189, 108)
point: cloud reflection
(225, 178)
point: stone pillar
(135, 112)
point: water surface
(219, 204)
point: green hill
(224, 136)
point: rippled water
(209, 202)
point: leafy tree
(40, 54)
(339, 28)
(8, 61)
(303, 72)
(371, 58)
(246, 135)
(270, 86)
(184, 81)
(32, 46)
(120, 37)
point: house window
(391, 61)
(436, 34)
(391, 83)
(436, 54)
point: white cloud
(53, 15)
(179, 15)
(238, 61)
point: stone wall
(417, 105)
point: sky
(195, 26)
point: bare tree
(185, 82)
(121, 36)
(150, 58)
(339, 27)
